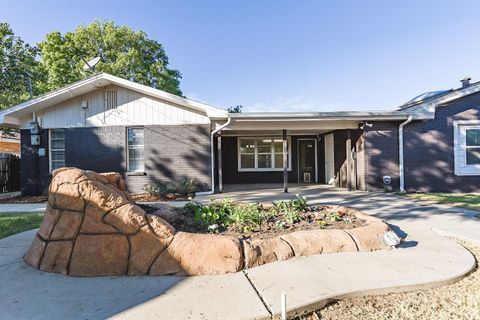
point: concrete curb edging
(427, 275)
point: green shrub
(247, 214)
(158, 189)
(183, 188)
(214, 213)
(300, 203)
(286, 209)
(186, 187)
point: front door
(306, 160)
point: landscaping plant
(183, 188)
(224, 214)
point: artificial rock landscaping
(92, 227)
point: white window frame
(128, 151)
(460, 148)
(272, 154)
(50, 160)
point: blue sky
(289, 55)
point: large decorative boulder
(92, 227)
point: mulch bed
(23, 200)
(316, 218)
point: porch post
(349, 159)
(219, 163)
(285, 161)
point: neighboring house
(105, 123)
(10, 143)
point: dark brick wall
(429, 151)
(29, 161)
(172, 153)
(381, 155)
(231, 175)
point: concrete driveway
(427, 259)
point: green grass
(465, 200)
(15, 222)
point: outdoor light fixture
(366, 124)
(391, 239)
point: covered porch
(285, 148)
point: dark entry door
(306, 160)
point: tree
(236, 109)
(18, 67)
(124, 53)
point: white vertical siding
(133, 109)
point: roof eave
(211, 112)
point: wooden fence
(9, 172)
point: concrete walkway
(22, 207)
(426, 259)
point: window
(472, 147)
(467, 147)
(57, 149)
(111, 99)
(262, 154)
(135, 155)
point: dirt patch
(318, 217)
(20, 200)
(460, 300)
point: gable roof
(9, 117)
(423, 106)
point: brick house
(105, 123)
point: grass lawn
(15, 222)
(466, 200)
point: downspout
(212, 157)
(400, 152)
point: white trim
(50, 148)
(272, 154)
(298, 157)
(460, 166)
(128, 149)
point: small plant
(322, 223)
(333, 216)
(215, 213)
(186, 187)
(300, 203)
(247, 214)
(281, 224)
(287, 209)
(347, 220)
(158, 189)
